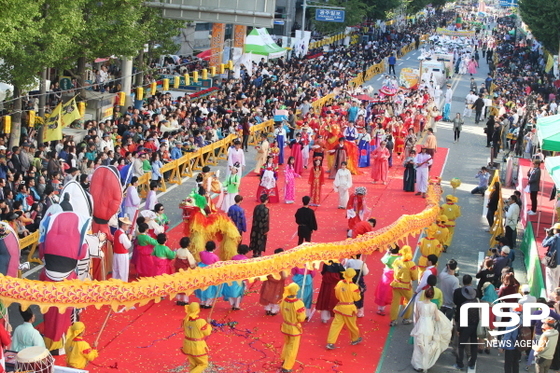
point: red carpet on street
(148, 339)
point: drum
(35, 359)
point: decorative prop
(455, 183)
(75, 293)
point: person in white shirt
(512, 217)
(362, 270)
(25, 334)
(469, 101)
(527, 297)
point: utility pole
(303, 15)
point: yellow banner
(549, 63)
(408, 77)
(70, 112)
(444, 31)
(53, 125)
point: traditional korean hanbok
(269, 174)
(364, 147)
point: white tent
(259, 43)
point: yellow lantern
(204, 74)
(153, 89)
(31, 118)
(176, 82)
(139, 93)
(122, 98)
(213, 70)
(230, 64)
(222, 68)
(187, 79)
(82, 108)
(7, 124)
(165, 84)
(195, 76)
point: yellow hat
(556, 226)
(451, 198)
(291, 290)
(75, 330)
(406, 252)
(192, 310)
(349, 273)
(443, 219)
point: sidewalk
(464, 160)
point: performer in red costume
(356, 208)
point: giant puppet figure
(61, 261)
(82, 202)
(107, 192)
(9, 251)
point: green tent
(552, 165)
(259, 42)
(548, 132)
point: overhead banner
(217, 43)
(464, 33)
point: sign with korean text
(330, 15)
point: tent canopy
(548, 132)
(259, 42)
(552, 165)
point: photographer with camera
(552, 257)
(483, 177)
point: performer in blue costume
(364, 148)
(281, 136)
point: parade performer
(274, 152)
(316, 181)
(409, 177)
(362, 270)
(326, 300)
(364, 227)
(162, 256)
(399, 134)
(405, 271)
(78, 352)
(293, 314)
(356, 208)
(296, 147)
(184, 260)
(231, 187)
(143, 249)
(364, 140)
(290, 174)
(319, 146)
(347, 292)
(304, 278)
(453, 211)
(268, 185)
(281, 137)
(260, 227)
(196, 331)
(343, 152)
(235, 155)
(380, 167)
(442, 233)
(262, 153)
(305, 141)
(208, 258)
(342, 183)
(428, 246)
(422, 161)
(237, 215)
(384, 292)
(233, 292)
(271, 291)
(132, 199)
(60, 264)
(121, 250)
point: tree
(381, 9)
(543, 19)
(355, 12)
(43, 39)
(414, 6)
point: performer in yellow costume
(194, 345)
(442, 233)
(78, 351)
(453, 211)
(428, 245)
(405, 271)
(293, 314)
(347, 292)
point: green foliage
(356, 11)
(439, 3)
(414, 6)
(380, 9)
(543, 19)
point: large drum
(35, 359)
